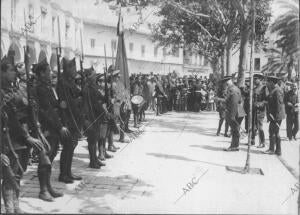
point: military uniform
(292, 113)
(50, 126)
(275, 115)
(234, 114)
(221, 108)
(70, 101)
(95, 119)
(259, 112)
(16, 139)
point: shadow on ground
(90, 191)
(182, 158)
(214, 148)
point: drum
(137, 100)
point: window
(143, 50)
(155, 51)
(256, 64)
(93, 41)
(131, 47)
(43, 18)
(176, 52)
(53, 26)
(113, 45)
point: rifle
(105, 78)
(58, 55)
(31, 106)
(81, 62)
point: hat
(258, 75)
(40, 67)
(115, 72)
(272, 78)
(288, 83)
(226, 78)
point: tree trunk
(245, 33)
(223, 64)
(290, 69)
(228, 53)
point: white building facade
(98, 24)
(42, 36)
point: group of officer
(272, 98)
(41, 109)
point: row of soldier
(41, 110)
(272, 98)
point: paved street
(175, 165)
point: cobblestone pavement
(174, 164)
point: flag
(121, 58)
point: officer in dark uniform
(234, 112)
(292, 112)
(95, 117)
(71, 114)
(51, 126)
(259, 109)
(275, 114)
(15, 138)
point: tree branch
(176, 5)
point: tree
(212, 27)
(286, 27)
(262, 18)
(187, 25)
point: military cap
(40, 67)
(272, 78)
(116, 73)
(258, 75)
(226, 78)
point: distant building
(99, 27)
(43, 35)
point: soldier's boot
(7, 194)
(220, 126)
(135, 121)
(122, 136)
(111, 146)
(52, 192)
(261, 139)
(278, 146)
(16, 201)
(44, 194)
(63, 177)
(107, 156)
(69, 167)
(271, 147)
(101, 155)
(93, 157)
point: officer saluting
(275, 114)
